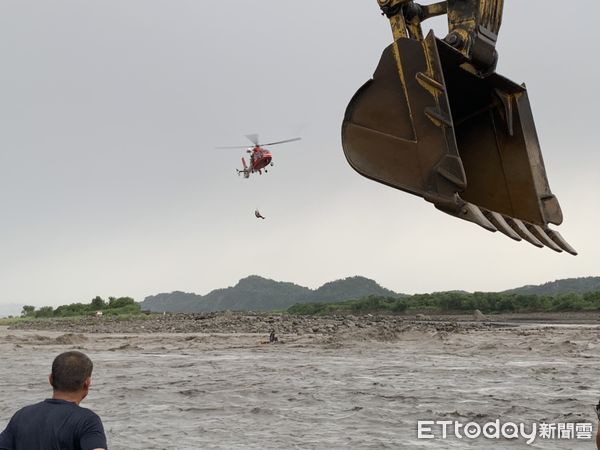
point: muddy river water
(229, 391)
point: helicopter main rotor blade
(253, 138)
(282, 142)
(235, 146)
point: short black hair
(70, 370)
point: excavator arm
(437, 121)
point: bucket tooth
(429, 83)
(522, 231)
(539, 233)
(471, 212)
(437, 117)
(560, 241)
(463, 210)
(501, 225)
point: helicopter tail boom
(245, 170)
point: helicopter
(260, 158)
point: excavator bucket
(430, 125)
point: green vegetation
(113, 307)
(8, 321)
(457, 302)
(368, 304)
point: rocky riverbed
(230, 322)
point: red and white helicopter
(260, 158)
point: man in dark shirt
(59, 423)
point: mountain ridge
(578, 285)
(256, 293)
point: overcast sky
(110, 111)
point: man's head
(71, 372)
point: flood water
(192, 391)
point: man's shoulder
(33, 407)
(68, 413)
(50, 405)
(74, 409)
(88, 413)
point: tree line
(486, 302)
(112, 306)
